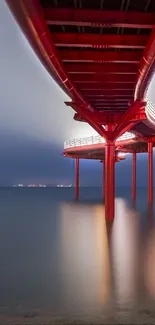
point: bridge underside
(102, 54)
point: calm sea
(61, 263)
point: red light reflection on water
(125, 252)
(103, 263)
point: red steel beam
(29, 15)
(109, 102)
(85, 114)
(109, 96)
(124, 124)
(98, 18)
(98, 78)
(113, 104)
(101, 86)
(100, 56)
(98, 104)
(94, 68)
(99, 40)
(94, 93)
(110, 109)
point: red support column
(77, 178)
(150, 172)
(134, 176)
(109, 180)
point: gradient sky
(34, 122)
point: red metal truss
(105, 92)
(90, 65)
(108, 109)
(110, 96)
(125, 124)
(99, 40)
(84, 113)
(98, 18)
(109, 101)
(97, 68)
(100, 56)
(111, 105)
(99, 78)
(103, 86)
(31, 19)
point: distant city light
(62, 185)
(30, 185)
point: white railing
(94, 140)
(150, 110)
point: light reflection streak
(124, 241)
(99, 266)
(149, 264)
(102, 247)
(85, 255)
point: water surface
(61, 262)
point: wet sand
(114, 315)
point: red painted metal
(36, 26)
(111, 96)
(85, 114)
(98, 18)
(105, 68)
(99, 40)
(109, 180)
(150, 172)
(124, 124)
(134, 176)
(104, 119)
(100, 86)
(112, 106)
(77, 178)
(110, 103)
(107, 93)
(67, 55)
(102, 79)
(147, 67)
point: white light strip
(94, 140)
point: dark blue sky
(34, 122)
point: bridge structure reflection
(105, 264)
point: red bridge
(102, 54)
